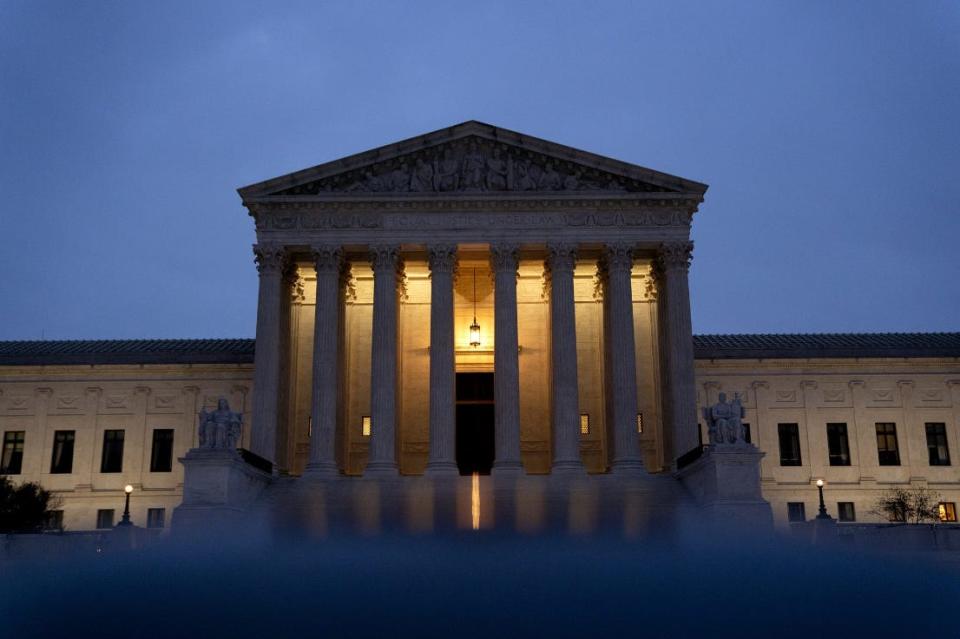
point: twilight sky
(829, 136)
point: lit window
(584, 424)
(888, 452)
(365, 425)
(948, 511)
(639, 422)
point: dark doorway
(474, 423)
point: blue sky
(828, 132)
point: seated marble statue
(221, 428)
(725, 422)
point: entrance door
(475, 423)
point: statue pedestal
(725, 481)
(219, 488)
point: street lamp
(823, 508)
(125, 521)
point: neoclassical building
(475, 300)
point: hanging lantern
(474, 328)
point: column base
(507, 469)
(321, 470)
(381, 469)
(568, 467)
(627, 467)
(442, 469)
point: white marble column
(677, 382)
(561, 261)
(271, 262)
(506, 365)
(442, 460)
(322, 462)
(617, 262)
(382, 461)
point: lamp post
(125, 521)
(823, 508)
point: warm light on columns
(475, 328)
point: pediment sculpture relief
(473, 165)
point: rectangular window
(112, 459)
(365, 425)
(948, 511)
(584, 424)
(838, 445)
(746, 434)
(161, 455)
(12, 460)
(61, 461)
(155, 517)
(888, 453)
(55, 520)
(796, 511)
(789, 444)
(845, 511)
(105, 518)
(937, 448)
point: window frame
(112, 453)
(941, 428)
(838, 432)
(113, 518)
(156, 443)
(840, 511)
(794, 509)
(66, 448)
(889, 435)
(947, 510)
(790, 430)
(152, 515)
(12, 446)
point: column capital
(327, 258)
(384, 257)
(616, 256)
(561, 257)
(270, 258)
(504, 257)
(675, 255)
(442, 258)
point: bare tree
(912, 506)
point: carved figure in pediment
(472, 170)
(497, 172)
(571, 181)
(447, 172)
(399, 179)
(550, 180)
(523, 181)
(421, 179)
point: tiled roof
(826, 345)
(240, 351)
(127, 351)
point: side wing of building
(84, 419)
(865, 413)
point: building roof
(127, 351)
(240, 351)
(814, 345)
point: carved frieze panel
(69, 404)
(115, 401)
(931, 397)
(166, 403)
(473, 165)
(834, 395)
(19, 404)
(785, 396)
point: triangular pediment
(467, 160)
